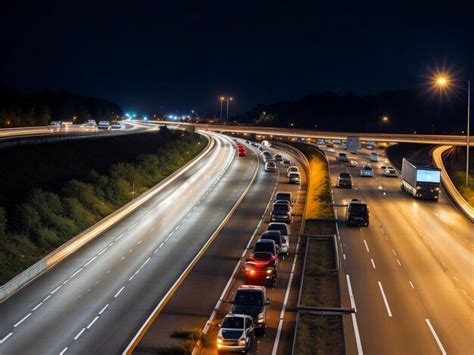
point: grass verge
(318, 335)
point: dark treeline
(408, 111)
(40, 108)
(32, 226)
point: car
(281, 240)
(260, 271)
(366, 171)
(292, 169)
(281, 212)
(266, 246)
(279, 226)
(353, 163)
(329, 144)
(286, 162)
(236, 333)
(357, 213)
(390, 172)
(242, 153)
(342, 157)
(278, 157)
(284, 196)
(252, 300)
(294, 178)
(374, 157)
(344, 180)
(276, 237)
(271, 166)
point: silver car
(271, 166)
(236, 333)
(294, 178)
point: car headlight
(260, 317)
(242, 342)
(219, 340)
(269, 271)
(418, 187)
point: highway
(96, 299)
(410, 273)
(218, 274)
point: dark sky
(184, 54)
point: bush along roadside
(319, 286)
(47, 219)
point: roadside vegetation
(317, 333)
(52, 213)
(455, 162)
(459, 180)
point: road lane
(126, 270)
(404, 254)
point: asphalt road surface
(218, 274)
(411, 271)
(95, 300)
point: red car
(260, 269)
(242, 153)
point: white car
(271, 166)
(292, 169)
(236, 333)
(390, 172)
(367, 171)
(294, 178)
(353, 163)
(374, 157)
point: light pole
(442, 82)
(222, 100)
(227, 114)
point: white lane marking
(373, 263)
(47, 297)
(95, 257)
(366, 246)
(119, 291)
(411, 284)
(344, 256)
(78, 271)
(103, 309)
(92, 323)
(156, 250)
(394, 252)
(354, 318)
(22, 320)
(79, 334)
(385, 299)
(399, 263)
(37, 306)
(139, 242)
(56, 289)
(131, 277)
(123, 257)
(63, 351)
(440, 345)
(102, 251)
(65, 281)
(5, 338)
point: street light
(385, 119)
(227, 114)
(443, 81)
(222, 98)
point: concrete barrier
(68, 248)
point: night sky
(182, 55)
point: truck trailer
(420, 180)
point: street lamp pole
(468, 129)
(227, 114)
(222, 100)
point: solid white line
(119, 291)
(399, 263)
(373, 263)
(385, 300)
(79, 334)
(147, 260)
(63, 351)
(394, 252)
(131, 277)
(102, 251)
(103, 309)
(140, 242)
(21, 320)
(92, 323)
(366, 246)
(95, 257)
(78, 271)
(412, 286)
(353, 316)
(57, 288)
(440, 345)
(5, 338)
(37, 306)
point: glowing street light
(222, 98)
(227, 114)
(385, 119)
(443, 81)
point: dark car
(281, 212)
(276, 237)
(357, 213)
(344, 180)
(251, 300)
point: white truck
(353, 144)
(420, 180)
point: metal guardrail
(68, 248)
(449, 186)
(307, 133)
